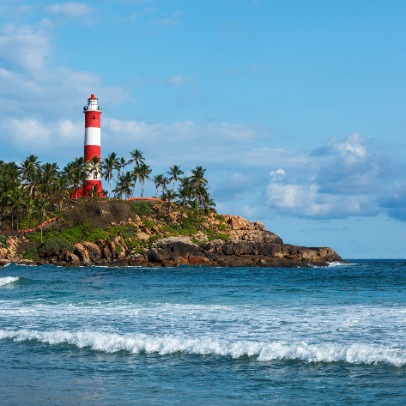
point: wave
(166, 345)
(8, 279)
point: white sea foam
(165, 345)
(8, 279)
(338, 263)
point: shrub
(125, 231)
(31, 253)
(142, 208)
(54, 248)
(84, 232)
(3, 239)
(222, 227)
(148, 223)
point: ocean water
(203, 336)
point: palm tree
(75, 174)
(42, 206)
(110, 164)
(185, 192)
(62, 191)
(165, 183)
(158, 182)
(135, 174)
(174, 174)
(137, 157)
(122, 163)
(93, 167)
(143, 174)
(208, 204)
(28, 171)
(199, 182)
(124, 186)
(169, 196)
(15, 201)
(49, 176)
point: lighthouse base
(91, 188)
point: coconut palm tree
(28, 171)
(49, 175)
(158, 182)
(185, 193)
(143, 174)
(169, 196)
(42, 207)
(110, 164)
(199, 182)
(208, 204)
(75, 174)
(94, 167)
(137, 157)
(122, 163)
(174, 174)
(124, 186)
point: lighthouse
(92, 156)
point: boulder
(93, 250)
(82, 253)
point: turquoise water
(195, 335)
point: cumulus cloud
(345, 183)
(394, 201)
(52, 140)
(346, 167)
(25, 47)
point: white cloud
(70, 10)
(352, 147)
(25, 47)
(306, 200)
(343, 180)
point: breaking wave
(8, 279)
(166, 345)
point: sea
(191, 335)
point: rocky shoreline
(249, 245)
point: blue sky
(296, 108)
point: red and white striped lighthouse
(92, 112)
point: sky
(295, 108)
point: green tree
(124, 186)
(174, 174)
(169, 196)
(143, 174)
(110, 164)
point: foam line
(8, 279)
(165, 345)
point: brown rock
(82, 253)
(94, 251)
(72, 258)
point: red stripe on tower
(92, 145)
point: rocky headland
(223, 241)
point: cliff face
(250, 245)
(247, 244)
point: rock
(4, 261)
(82, 253)
(93, 250)
(72, 258)
(106, 253)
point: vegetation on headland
(32, 192)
